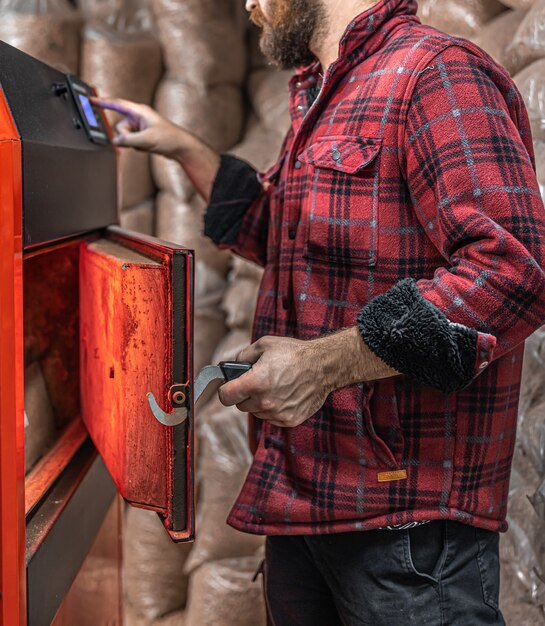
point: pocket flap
(344, 154)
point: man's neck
(339, 14)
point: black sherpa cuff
(413, 336)
(235, 189)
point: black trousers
(442, 573)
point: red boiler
(94, 318)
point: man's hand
(285, 386)
(144, 129)
(291, 379)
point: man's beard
(288, 31)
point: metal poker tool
(221, 373)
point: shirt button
(291, 233)
(483, 365)
(298, 165)
(336, 155)
(285, 303)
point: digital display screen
(88, 110)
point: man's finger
(251, 354)
(129, 140)
(236, 391)
(124, 126)
(250, 406)
(125, 107)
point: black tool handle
(234, 369)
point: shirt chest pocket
(341, 208)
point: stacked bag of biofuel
(46, 29)
(121, 57)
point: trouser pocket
(426, 549)
(489, 565)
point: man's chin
(269, 52)
(278, 57)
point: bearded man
(402, 235)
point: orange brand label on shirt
(384, 477)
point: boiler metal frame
(12, 471)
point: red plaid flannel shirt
(404, 200)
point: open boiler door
(136, 327)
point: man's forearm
(347, 359)
(292, 378)
(200, 162)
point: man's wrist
(346, 359)
(185, 146)
(200, 162)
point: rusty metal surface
(49, 468)
(51, 325)
(136, 327)
(125, 337)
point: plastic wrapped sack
(140, 218)
(539, 148)
(532, 390)
(532, 434)
(203, 40)
(209, 330)
(244, 280)
(515, 603)
(232, 344)
(531, 427)
(99, 9)
(459, 17)
(242, 268)
(123, 60)
(531, 84)
(260, 146)
(269, 95)
(528, 43)
(239, 302)
(495, 37)
(223, 593)
(223, 464)
(153, 578)
(523, 546)
(214, 114)
(39, 417)
(519, 4)
(183, 223)
(45, 29)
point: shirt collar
(366, 33)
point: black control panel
(91, 116)
(68, 162)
